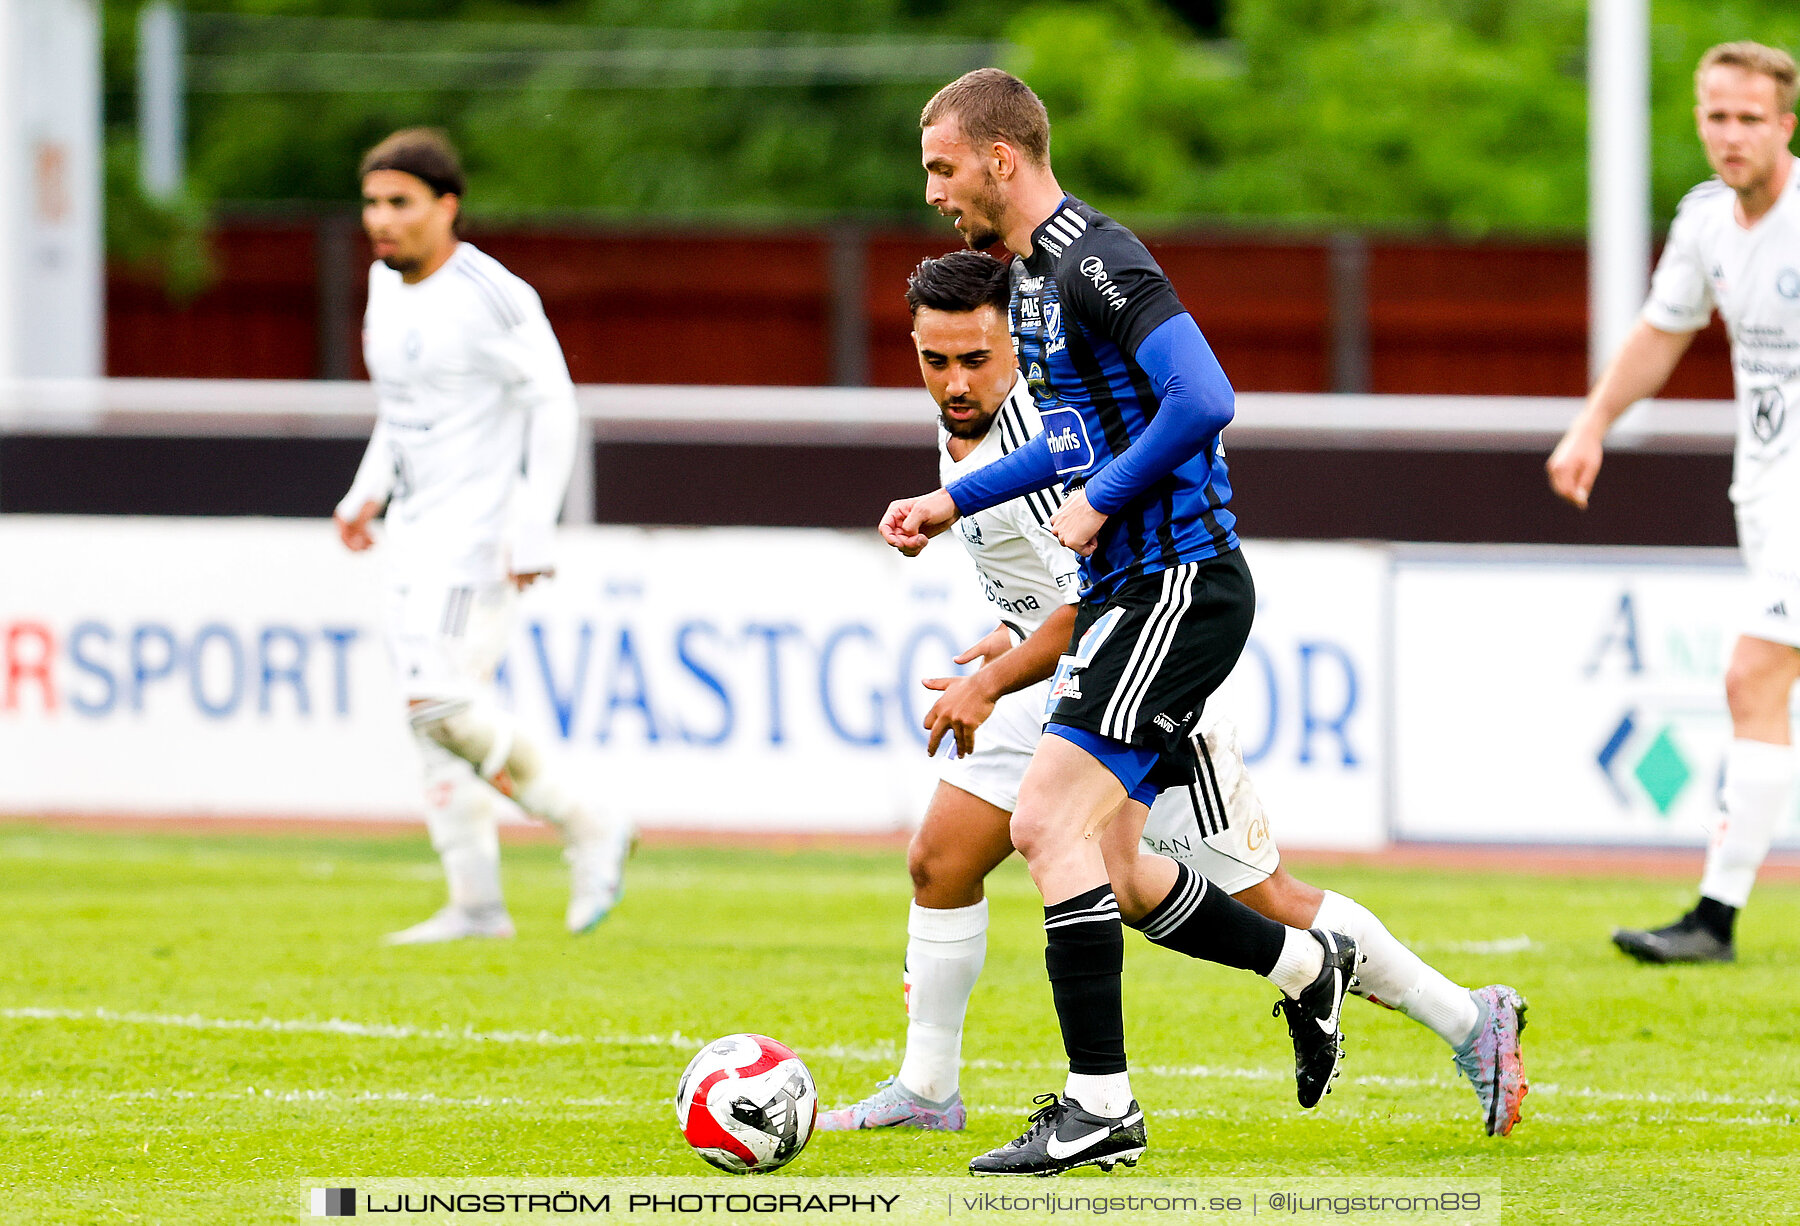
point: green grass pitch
(166, 998)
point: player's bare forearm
(910, 523)
(967, 702)
(1639, 370)
(992, 645)
(1034, 659)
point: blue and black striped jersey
(1083, 302)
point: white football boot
(455, 923)
(597, 871)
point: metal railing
(840, 416)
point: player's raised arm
(1025, 471)
(1194, 403)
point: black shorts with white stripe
(1191, 770)
(1146, 661)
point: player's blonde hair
(1771, 62)
(992, 105)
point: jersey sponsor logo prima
(1094, 269)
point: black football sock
(1084, 952)
(1202, 921)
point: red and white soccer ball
(747, 1104)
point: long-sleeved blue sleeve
(1195, 401)
(1029, 468)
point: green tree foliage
(1460, 115)
(553, 143)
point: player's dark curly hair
(959, 281)
(427, 155)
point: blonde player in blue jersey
(473, 446)
(1210, 820)
(1734, 247)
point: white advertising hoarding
(1577, 697)
(1310, 695)
(728, 679)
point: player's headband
(422, 162)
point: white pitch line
(404, 1098)
(879, 1053)
(1505, 945)
(391, 1030)
(347, 1098)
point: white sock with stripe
(1396, 977)
(1759, 779)
(462, 816)
(945, 949)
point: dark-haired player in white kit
(1734, 247)
(472, 450)
(1213, 822)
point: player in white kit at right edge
(473, 446)
(1734, 247)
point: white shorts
(1769, 537)
(1216, 826)
(447, 637)
(1219, 831)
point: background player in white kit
(473, 446)
(1215, 824)
(1734, 247)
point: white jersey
(1027, 573)
(1752, 278)
(475, 434)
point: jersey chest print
(1037, 323)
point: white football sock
(1107, 1094)
(944, 952)
(462, 815)
(1758, 784)
(1398, 978)
(1301, 960)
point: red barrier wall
(762, 308)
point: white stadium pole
(11, 95)
(51, 260)
(161, 101)
(1618, 172)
